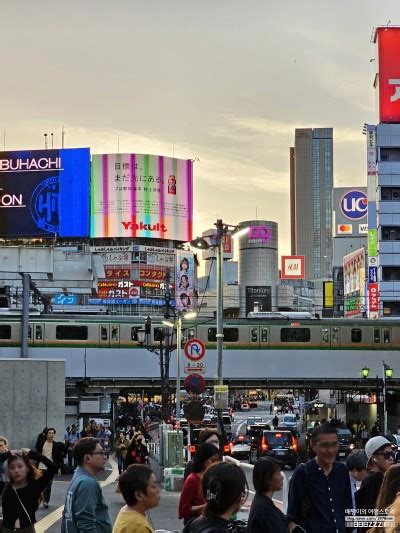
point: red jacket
(191, 495)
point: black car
(347, 442)
(281, 445)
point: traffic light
(147, 325)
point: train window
(134, 334)
(29, 332)
(230, 334)
(386, 336)
(254, 335)
(104, 333)
(264, 334)
(72, 333)
(335, 334)
(114, 333)
(5, 332)
(39, 333)
(377, 335)
(295, 335)
(325, 335)
(356, 335)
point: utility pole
(26, 282)
(220, 314)
(165, 392)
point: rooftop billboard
(44, 192)
(351, 208)
(141, 195)
(388, 40)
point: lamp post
(178, 324)
(387, 373)
(217, 243)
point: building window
(134, 333)
(390, 233)
(295, 335)
(391, 273)
(390, 154)
(390, 193)
(72, 333)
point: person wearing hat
(380, 457)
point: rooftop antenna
(173, 150)
(118, 144)
(4, 140)
(62, 136)
(256, 213)
(52, 140)
(45, 141)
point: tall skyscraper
(311, 188)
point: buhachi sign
(388, 40)
(292, 267)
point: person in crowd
(71, 439)
(376, 429)
(380, 457)
(356, 463)
(264, 516)
(21, 495)
(104, 438)
(212, 437)
(137, 452)
(319, 490)
(139, 488)
(225, 488)
(271, 409)
(85, 508)
(40, 439)
(192, 502)
(389, 498)
(86, 431)
(120, 447)
(55, 451)
(3, 463)
(275, 421)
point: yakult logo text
(259, 234)
(354, 205)
(144, 227)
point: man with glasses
(319, 491)
(85, 508)
(380, 457)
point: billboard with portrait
(44, 193)
(185, 291)
(141, 195)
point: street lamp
(217, 242)
(387, 373)
(365, 372)
(178, 324)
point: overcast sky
(224, 81)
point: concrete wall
(32, 397)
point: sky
(224, 82)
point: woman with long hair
(137, 452)
(389, 498)
(192, 502)
(21, 495)
(225, 489)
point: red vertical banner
(373, 297)
(388, 40)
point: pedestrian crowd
(324, 495)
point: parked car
(240, 447)
(347, 442)
(245, 407)
(281, 445)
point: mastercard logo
(344, 229)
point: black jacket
(367, 494)
(206, 524)
(59, 451)
(265, 517)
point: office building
(311, 183)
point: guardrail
(285, 488)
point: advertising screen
(389, 74)
(137, 195)
(354, 272)
(44, 193)
(258, 299)
(185, 293)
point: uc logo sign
(261, 233)
(354, 205)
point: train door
(259, 336)
(335, 337)
(109, 335)
(325, 337)
(382, 338)
(38, 334)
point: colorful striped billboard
(140, 195)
